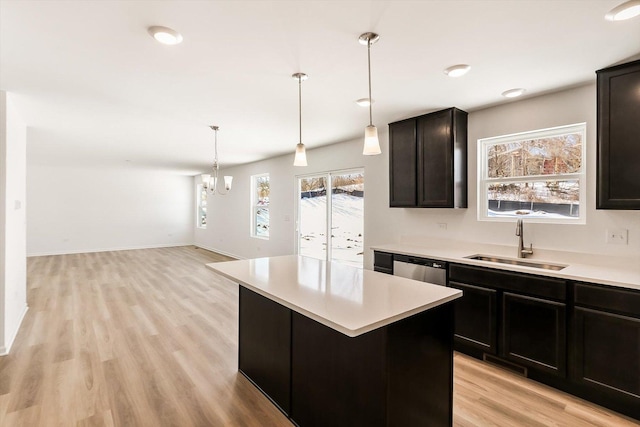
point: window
(332, 228)
(260, 206)
(201, 206)
(537, 175)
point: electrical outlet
(617, 236)
(442, 225)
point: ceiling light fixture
(364, 102)
(210, 181)
(457, 70)
(165, 35)
(300, 158)
(512, 93)
(626, 10)
(371, 142)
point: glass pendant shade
(205, 179)
(300, 158)
(371, 142)
(228, 179)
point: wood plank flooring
(149, 338)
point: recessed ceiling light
(512, 93)
(626, 10)
(364, 102)
(165, 35)
(457, 70)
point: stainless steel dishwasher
(422, 269)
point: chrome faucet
(522, 252)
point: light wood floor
(149, 338)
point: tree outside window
(538, 175)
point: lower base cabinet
(516, 317)
(397, 375)
(605, 356)
(534, 333)
(476, 318)
(264, 345)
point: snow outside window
(260, 206)
(201, 206)
(537, 175)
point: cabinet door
(435, 160)
(607, 352)
(383, 262)
(402, 164)
(534, 333)
(618, 136)
(265, 346)
(475, 318)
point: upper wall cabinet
(428, 160)
(619, 137)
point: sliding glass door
(331, 216)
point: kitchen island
(331, 344)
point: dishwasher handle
(420, 261)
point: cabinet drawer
(523, 283)
(620, 301)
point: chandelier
(210, 181)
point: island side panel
(264, 346)
(337, 380)
(420, 369)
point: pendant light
(210, 181)
(371, 142)
(300, 158)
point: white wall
(13, 280)
(229, 217)
(228, 228)
(79, 209)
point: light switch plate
(617, 236)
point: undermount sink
(513, 261)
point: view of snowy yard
(347, 213)
(347, 228)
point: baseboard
(218, 251)
(119, 248)
(5, 349)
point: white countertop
(347, 299)
(614, 271)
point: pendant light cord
(300, 106)
(369, 65)
(215, 157)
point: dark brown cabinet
(534, 333)
(428, 160)
(606, 346)
(618, 176)
(475, 323)
(383, 262)
(519, 318)
(265, 346)
(402, 164)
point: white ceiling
(97, 90)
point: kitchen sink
(513, 261)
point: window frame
(483, 180)
(255, 206)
